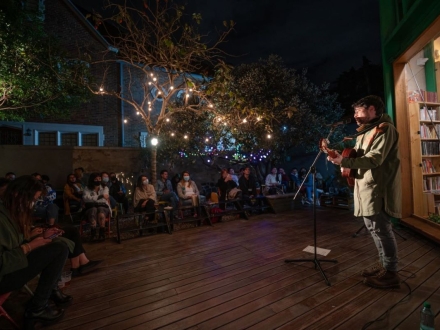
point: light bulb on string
(154, 79)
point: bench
(202, 215)
(283, 203)
(137, 222)
(330, 200)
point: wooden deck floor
(233, 276)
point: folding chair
(3, 313)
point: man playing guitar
(377, 186)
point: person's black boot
(44, 315)
(101, 234)
(92, 234)
(60, 299)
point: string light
(154, 79)
(269, 136)
(168, 119)
(244, 121)
(101, 89)
(151, 74)
(185, 136)
(171, 87)
(172, 134)
(125, 121)
(137, 112)
(149, 83)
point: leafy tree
(164, 60)
(35, 74)
(269, 109)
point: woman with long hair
(26, 252)
(72, 195)
(189, 193)
(97, 205)
(145, 198)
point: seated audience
(272, 182)
(248, 184)
(79, 174)
(294, 177)
(72, 195)
(118, 191)
(189, 193)
(284, 179)
(144, 197)
(164, 191)
(25, 254)
(105, 182)
(175, 181)
(308, 184)
(97, 206)
(233, 176)
(225, 184)
(10, 176)
(44, 207)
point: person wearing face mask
(105, 182)
(145, 197)
(118, 191)
(95, 197)
(188, 192)
(72, 195)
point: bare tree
(164, 61)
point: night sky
(327, 37)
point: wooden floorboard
(233, 276)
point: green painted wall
(399, 29)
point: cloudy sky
(325, 36)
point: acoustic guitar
(347, 173)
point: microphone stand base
(317, 265)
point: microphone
(343, 121)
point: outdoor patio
(233, 276)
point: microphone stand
(315, 259)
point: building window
(89, 140)
(143, 139)
(11, 136)
(47, 138)
(69, 139)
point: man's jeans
(170, 197)
(48, 212)
(381, 229)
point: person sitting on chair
(164, 190)
(97, 205)
(189, 193)
(145, 198)
(272, 182)
(24, 254)
(44, 207)
(72, 195)
(118, 191)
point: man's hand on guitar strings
(337, 160)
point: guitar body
(347, 173)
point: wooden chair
(3, 313)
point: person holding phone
(27, 252)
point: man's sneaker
(373, 271)
(386, 279)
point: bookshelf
(425, 157)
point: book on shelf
(427, 166)
(422, 96)
(430, 148)
(428, 114)
(429, 131)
